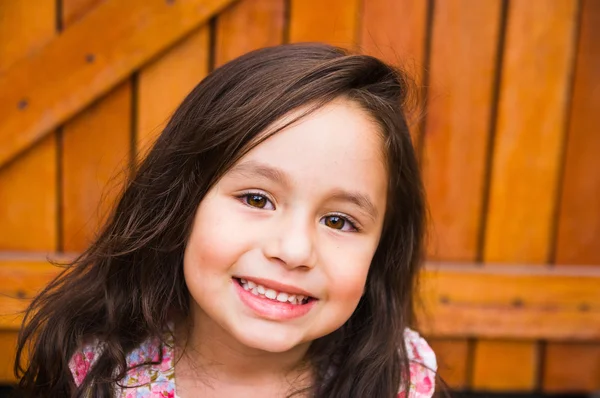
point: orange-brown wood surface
(95, 154)
(461, 100)
(331, 21)
(452, 357)
(397, 32)
(534, 90)
(505, 366)
(462, 77)
(95, 161)
(520, 302)
(571, 368)
(8, 341)
(25, 27)
(74, 10)
(81, 64)
(28, 205)
(246, 26)
(579, 217)
(22, 278)
(576, 367)
(164, 83)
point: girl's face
(281, 246)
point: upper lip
(280, 287)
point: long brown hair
(128, 284)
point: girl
(268, 245)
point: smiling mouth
(274, 295)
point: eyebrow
(359, 199)
(254, 168)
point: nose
(292, 242)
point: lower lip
(272, 309)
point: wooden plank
(25, 27)
(165, 82)
(28, 208)
(461, 99)
(95, 164)
(558, 305)
(518, 302)
(571, 367)
(531, 118)
(331, 21)
(462, 72)
(8, 342)
(579, 216)
(527, 151)
(452, 357)
(246, 26)
(22, 279)
(509, 366)
(95, 156)
(27, 185)
(81, 65)
(74, 10)
(396, 32)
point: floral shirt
(158, 381)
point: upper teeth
(260, 290)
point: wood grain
(28, 200)
(452, 356)
(518, 302)
(462, 73)
(25, 27)
(165, 82)
(95, 165)
(75, 10)
(461, 99)
(505, 366)
(28, 184)
(246, 26)
(95, 154)
(331, 21)
(8, 342)
(81, 64)
(22, 279)
(534, 94)
(396, 32)
(570, 366)
(527, 153)
(579, 216)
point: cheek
(212, 247)
(347, 277)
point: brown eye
(256, 201)
(335, 222)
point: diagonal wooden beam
(41, 92)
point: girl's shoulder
(148, 373)
(423, 366)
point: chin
(268, 341)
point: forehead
(336, 146)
